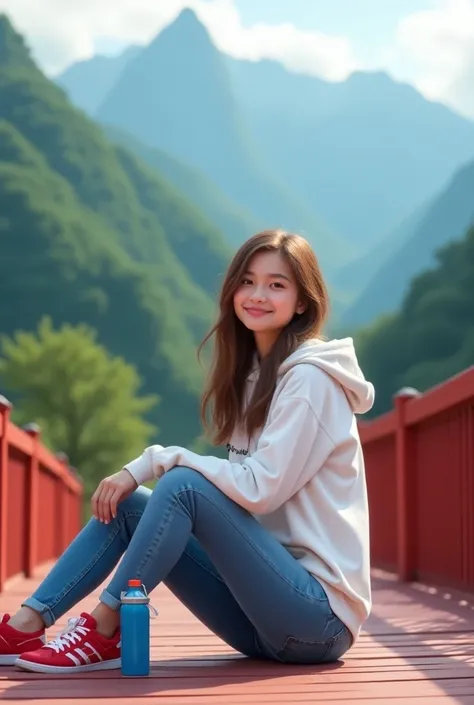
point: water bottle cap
(141, 598)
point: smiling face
(267, 298)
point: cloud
(460, 93)
(438, 45)
(60, 32)
(304, 51)
(432, 49)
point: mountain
(14, 52)
(431, 337)
(236, 224)
(88, 82)
(351, 279)
(446, 218)
(366, 152)
(176, 96)
(107, 240)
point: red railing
(40, 500)
(420, 472)
(419, 461)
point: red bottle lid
(134, 583)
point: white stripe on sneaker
(74, 659)
(94, 651)
(83, 655)
(80, 658)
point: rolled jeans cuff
(107, 599)
(46, 613)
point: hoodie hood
(338, 359)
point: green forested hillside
(432, 336)
(234, 222)
(89, 233)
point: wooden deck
(418, 647)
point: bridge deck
(417, 647)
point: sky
(427, 43)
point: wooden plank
(375, 699)
(140, 688)
(336, 699)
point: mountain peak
(187, 16)
(13, 50)
(379, 80)
(186, 27)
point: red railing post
(32, 502)
(63, 518)
(5, 409)
(405, 469)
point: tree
(85, 400)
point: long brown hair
(234, 346)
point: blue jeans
(228, 570)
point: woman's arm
(292, 448)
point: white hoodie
(302, 475)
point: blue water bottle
(135, 630)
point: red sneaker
(79, 647)
(14, 643)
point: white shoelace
(72, 633)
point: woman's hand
(110, 492)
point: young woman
(270, 548)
